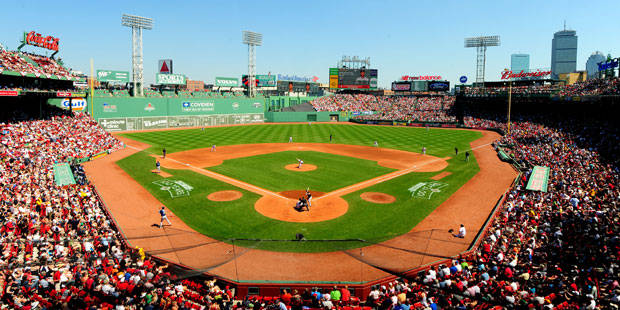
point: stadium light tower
(252, 39)
(137, 23)
(481, 44)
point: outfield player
(162, 212)
(290, 139)
(158, 166)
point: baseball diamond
(263, 221)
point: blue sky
(306, 38)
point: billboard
(298, 87)
(169, 79)
(401, 86)
(165, 66)
(36, 39)
(113, 76)
(226, 82)
(439, 86)
(262, 80)
(333, 78)
(75, 104)
(357, 78)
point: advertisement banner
(169, 79)
(406, 86)
(226, 82)
(113, 76)
(36, 39)
(113, 124)
(76, 104)
(439, 86)
(333, 81)
(261, 80)
(155, 122)
(69, 94)
(9, 93)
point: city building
(563, 52)
(592, 64)
(520, 62)
(195, 85)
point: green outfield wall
(280, 117)
(115, 113)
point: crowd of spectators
(593, 87)
(403, 108)
(38, 65)
(546, 89)
(59, 248)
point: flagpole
(509, 103)
(92, 86)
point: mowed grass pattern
(438, 142)
(267, 171)
(366, 221)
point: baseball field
(375, 210)
(362, 222)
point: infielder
(213, 148)
(162, 212)
(376, 143)
(290, 139)
(424, 150)
(301, 162)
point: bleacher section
(30, 65)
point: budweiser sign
(36, 39)
(509, 75)
(421, 78)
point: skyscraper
(592, 64)
(520, 62)
(563, 52)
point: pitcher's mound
(304, 167)
(377, 197)
(225, 196)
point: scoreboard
(344, 78)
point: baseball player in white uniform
(301, 162)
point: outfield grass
(366, 221)
(438, 142)
(267, 171)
